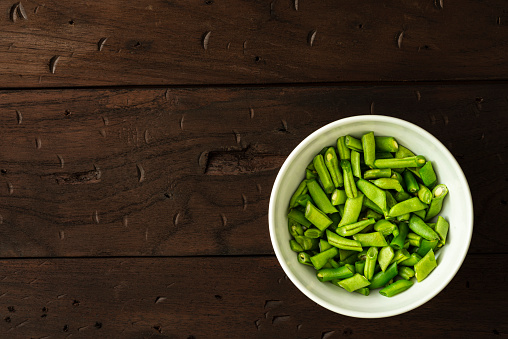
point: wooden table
(139, 141)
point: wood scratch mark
(102, 132)
(272, 303)
(38, 143)
(202, 160)
(372, 107)
(244, 46)
(14, 12)
(445, 119)
(399, 39)
(258, 186)
(22, 12)
(439, 4)
(228, 46)
(100, 44)
(284, 125)
(418, 96)
(1, 219)
(147, 138)
(19, 117)
(23, 323)
(238, 137)
(176, 219)
(432, 119)
(105, 120)
(10, 187)
(95, 217)
(82, 328)
(257, 323)
(52, 63)
(498, 20)
(61, 160)
(33, 281)
(60, 296)
(36, 9)
(296, 5)
(244, 199)
(146, 234)
(98, 172)
(125, 221)
(311, 37)
(159, 300)
(327, 334)
(271, 8)
(166, 95)
(141, 173)
(205, 39)
(251, 112)
(181, 121)
(40, 79)
(61, 234)
(280, 318)
(298, 327)
(224, 219)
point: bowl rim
(276, 186)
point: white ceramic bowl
(457, 209)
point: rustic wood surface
(265, 41)
(139, 141)
(222, 297)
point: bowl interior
(457, 209)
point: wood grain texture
(111, 42)
(189, 171)
(235, 297)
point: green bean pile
(362, 219)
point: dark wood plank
(189, 171)
(163, 42)
(218, 297)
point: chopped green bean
(406, 272)
(396, 288)
(424, 194)
(371, 239)
(299, 217)
(377, 173)
(295, 229)
(438, 194)
(382, 278)
(411, 261)
(428, 175)
(355, 164)
(351, 229)
(369, 150)
(316, 217)
(370, 263)
(332, 163)
(344, 152)
(324, 245)
(344, 243)
(339, 197)
(418, 226)
(401, 196)
(304, 258)
(398, 242)
(426, 246)
(371, 191)
(320, 198)
(360, 266)
(384, 226)
(364, 290)
(386, 144)
(302, 189)
(388, 184)
(323, 173)
(355, 282)
(426, 265)
(400, 256)
(328, 274)
(353, 143)
(313, 233)
(407, 206)
(320, 259)
(417, 161)
(385, 257)
(295, 246)
(442, 227)
(349, 181)
(414, 239)
(302, 200)
(411, 183)
(352, 210)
